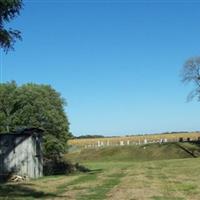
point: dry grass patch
(160, 180)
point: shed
(21, 153)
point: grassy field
(122, 173)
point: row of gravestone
(123, 143)
(128, 142)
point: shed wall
(18, 155)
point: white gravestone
(98, 143)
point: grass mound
(137, 153)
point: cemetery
(134, 140)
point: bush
(61, 167)
(56, 167)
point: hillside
(137, 152)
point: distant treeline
(178, 132)
(173, 132)
(88, 136)
(101, 136)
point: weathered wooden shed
(21, 153)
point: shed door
(1, 164)
(1, 158)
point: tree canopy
(191, 74)
(33, 105)
(9, 9)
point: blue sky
(117, 63)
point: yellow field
(138, 139)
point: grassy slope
(136, 153)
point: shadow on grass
(194, 152)
(20, 191)
(25, 191)
(95, 171)
(186, 150)
(197, 143)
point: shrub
(61, 167)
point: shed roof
(25, 131)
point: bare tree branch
(191, 74)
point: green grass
(158, 172)
(82, 178)
(136, 153)
(99, 192)
(166, 198)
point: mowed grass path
(156, 180)
(174, 179)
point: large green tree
(8, 106)
(9, 9)
(33, 105)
